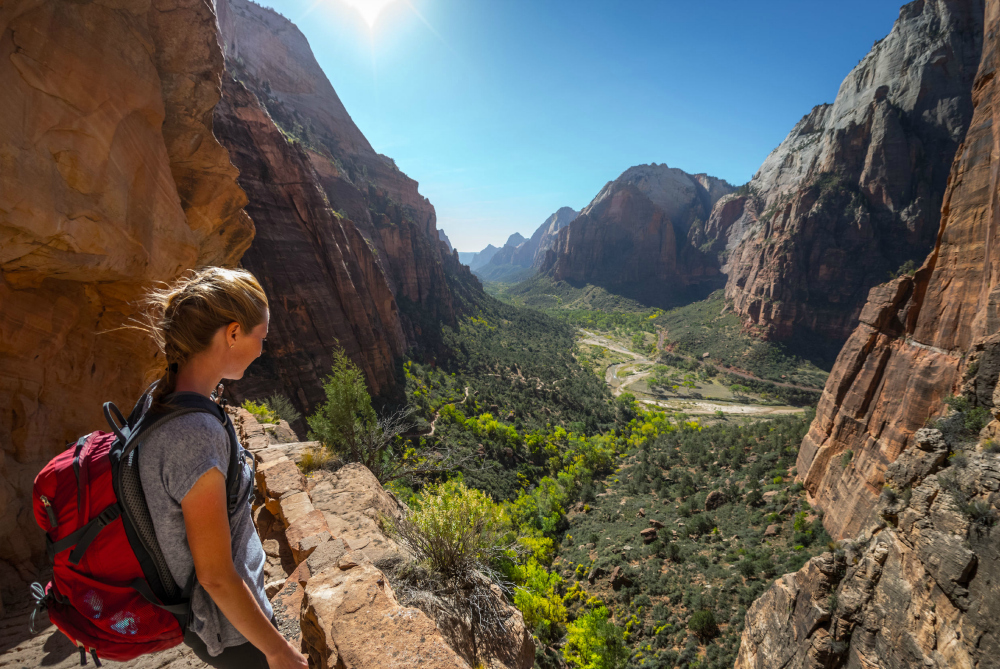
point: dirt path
(437, 414)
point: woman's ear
(232, 330)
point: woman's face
(244, 348)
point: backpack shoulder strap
(188, 402)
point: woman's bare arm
(208, 532)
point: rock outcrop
(516, 261)
(855, 190)
(918, 591)
(112, 179)
(329, 565)
(270, 56)
(637, 229)
(916, 336)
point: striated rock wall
(856, 188)
(110, 178)
(637, 229)
(272, 57)
(918, 591)
(915, 334)
(347, 245)
(325, 287)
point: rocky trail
(329, 575)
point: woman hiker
(210, 325)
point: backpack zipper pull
(83, 655)
(93, 654)
(49, 511)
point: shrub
(703, 625)
(537, 597)
(845, 459)
(981, 513)
(314, 459)
(456, 529)
(991, 446)
(593, 641)
(260, 411)
(282, 408)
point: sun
(369, 9)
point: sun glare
(369, 9)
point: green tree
(703, 625)
(347, 413)
(595, 642)
(347, 425)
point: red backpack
(111, 591)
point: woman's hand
(287, 658)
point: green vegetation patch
(731, 522)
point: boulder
(306, 533)
(619, 578)
(772, 530)
(648, 535)
(714, 500)
(656, 524)
(351, 619)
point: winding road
(688, 405)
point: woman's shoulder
(195, 431)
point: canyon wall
(855, 190)
(915, 335)
(637, 230)
(346, 244)
(326, 289)
(110, 179)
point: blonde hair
(183, 316)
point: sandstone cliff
(637, 229)
(111, 179)
(347, 247)
(517, 261)
(915, 335)
(855, 190)
(326, 288)
(920, 590)
(271, 56)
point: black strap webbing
(140, 586)
(83, 537)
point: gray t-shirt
(171, 460)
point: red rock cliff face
(855, 190)
(272, 58)
(110, 178)
(915, 333)
(325, 287)
(637, 229)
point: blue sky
(506, 110)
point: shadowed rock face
(637, 229)
(855, 190)
(915, 333)
(270, 56)
(326, 289)
(112, 179)
(346, 239)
